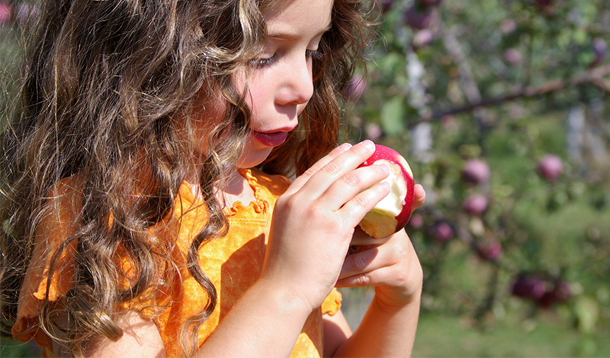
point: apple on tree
(392, 213)
(550, 167)
(476, 171)
(418, 17)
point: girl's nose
(298, 87)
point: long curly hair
(112, 93)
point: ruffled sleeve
(332, 303)
(59, 224)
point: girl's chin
(253, 157)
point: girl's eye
(268, 61)
(263, 62)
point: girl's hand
(313, 222)
(390, 264)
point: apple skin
(475, 204)
(429, 3)
(476, 171)
(490, 250)
(379, 222)
(355, 88)
(550, 167)
(529, 286)
(417, 17)
(386, 5)
(5, 13)
(441, 231)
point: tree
(500, 107)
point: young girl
(132, 225)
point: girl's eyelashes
(314, 54)
(263, 62)
(268, 61)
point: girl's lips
(272, 139)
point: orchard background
(502, 109)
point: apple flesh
(392, 213)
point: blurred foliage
(503, 83)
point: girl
(131, 224)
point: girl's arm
(390, 323)
(336, 332)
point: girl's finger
(362, 262)
(349, 185)
(354, 209)
(345, 162)
(303, 178)
(420, 196)
(370, 278)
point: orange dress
(233, 263)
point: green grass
(508, 333)
(443, 336)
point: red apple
(5, 13)
(416, 221)
(475, 204)
(550, 167)
(429, 3)
(558, 292)
(507, 26)
(476, 171)
(512, 56)
(545, 6)
(393, 212)
(418, 17)
(441, 231)
(373, 131)
(490, 250)
(386, 5)
(599, 47)
(355, 88)
(543, 3)
(422, 38)
(529, 286)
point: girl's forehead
(290, 16)
(296, 9)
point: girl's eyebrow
(291, 36)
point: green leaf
(587, 313)
(392, 120)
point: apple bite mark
(393, 212)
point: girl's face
(280, 84)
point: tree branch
(594, 76)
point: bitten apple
(393, 212)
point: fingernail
(345, 146)
(385, 167)
(368, 144)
